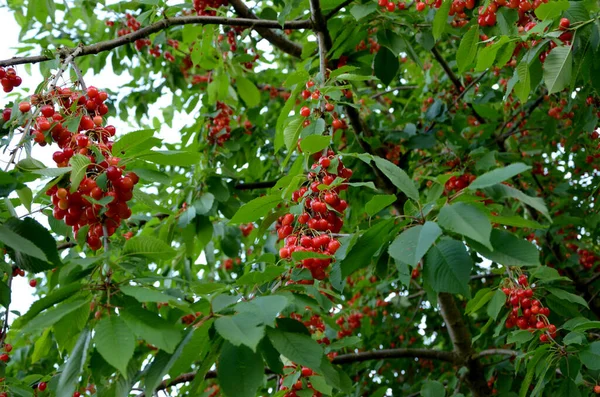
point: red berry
(597, 389)
(391, 6)
(33, 283)
(4, 357)
(564, 24)
(42, 386)
(8, 348)
(305, 111)
(92, 92)
(420, 6)
(25, 107)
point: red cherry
(82, 140)
(8, 348)
(564, 24)
(33, 283)
(337, 124)
(420, 6)
(113, 173)
(305, 111)
(42, 386)
(25, 107)
(391, 6)
(4, 357)
(92, 92)
(597, 389)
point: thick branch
(278, 40)
(461, 339)
(261, 25)
(496, 352)
(344, 359)
(320, 27)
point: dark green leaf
(448, 267)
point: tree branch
(461, 339)
(261, 25)
(278, 40)
(515, 128)
(337, 9)
(495, 352)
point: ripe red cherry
(564, 24)
(58, 157)
(98, 120)
(391, 6)
(305, 94)
(24, 107)
(92, 92)
(420, 6)
(113, 173)
(310, 84)
(33, 283)
(306, 371)
(82, 140)
(42, 386)
(325, 162)
(382, 3)
(329, 107)
(126, 184)
(76, 394)
(8, 348)
(337, 124)
(4, 357)
(47, 110)
(597, 389)
(305, 111)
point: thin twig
(401, 88)
(337, 9)
(79, 76)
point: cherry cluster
(587, 259)
(315, 325)
(220, 130)
(9, 79)
(104, 176)
(487, 16)
(247, 229)
(323, 214)
(458, 183)
(208, 7)
(353, 322)
(527, 312)
(303, 382)
(188, 319)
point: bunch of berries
(353, 322)
(587, 259)
(208, 7)
(302, 383)
(527, 312)
(9, 79)
(323, 215)
(458, 183)
(220, 130)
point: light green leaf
(21, 244)
(557, 69)
(379, 202)
(412, 244)
(360, 11)
(241, 329)
(142, 294)
(509, 250)
(128, 141)
(264, 308)
(69, 376)
(55, 296)
(256, 277)
(248, 91)
(171, 157)
(115, 342)
(467, 220)
(432, 388)
(398, 177)
(255, 209)
(314, 143)
(496, 304)
(523, 87)
(482, 297)
(79, 164)
(467, 50)
(440, 20)
(52, 316)
(551, 10)
(291, 132)
(149, 247)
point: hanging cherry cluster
(312, 230)
(527, 312)
(9, 79)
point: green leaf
(163, 362)
(590, 356)
(152, 328)
(496, 304)
(42, 346)
(386, 65)
(487, 56)
(171, 157)
(551, 10)
(69, 376)
(149, 247)
(115, 342)
(398, 177)
(509, 250)
(128, 141)
(564, 295)
(447, 267)
(248, 91)
(299, 348)
(557, 69)
(240, 371)
(507, 21)
(52, 316)
(468, 221)
(142, 294)
(20, 244)
(467, 50)
(300, 255)
(314, 143)
(241, 329)
(291, 132)
(440, 20)
(256, 277)
(379, 202)
(79, 164)
(265, 308)
(255, 209)
(482, 297)
(523, 87)
(500, 191)
(367, 245)
(204, 204)
(412, 244)
(432, 388)
(197, 347)
(360, 11)
(520, 336)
